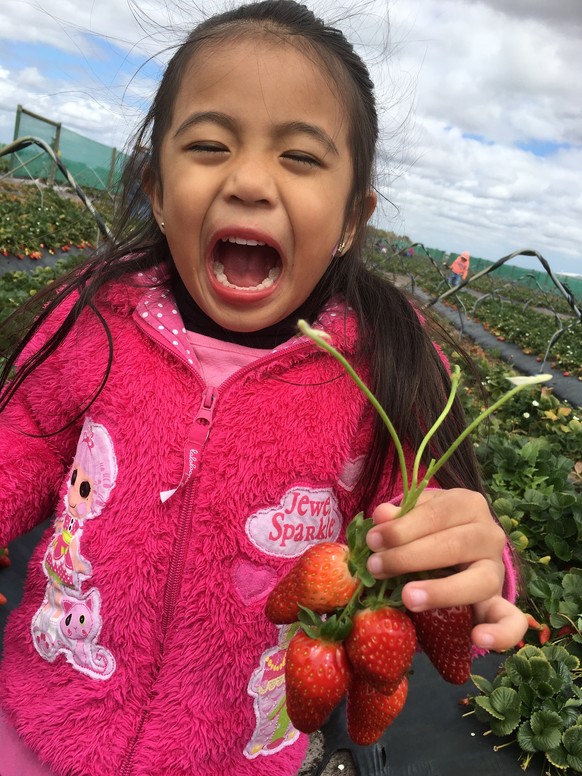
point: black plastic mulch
(565, 388)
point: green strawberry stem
(434, 466)
(348, 611)
(320, 338)
(415, 488)
(412, 492)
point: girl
(193, 445)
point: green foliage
(18, 287)
(31, 220)
(537, 696)
(533, 496)
(530, 457)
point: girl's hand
(449, 528)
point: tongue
(247, 265)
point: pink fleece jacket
(141, 645)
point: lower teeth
(266, 283)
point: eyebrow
(287, 128)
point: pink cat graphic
(70, 626)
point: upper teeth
(242, 241)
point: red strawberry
(445, 636)
(320, 581)
(545, 634)
(381, 646)
(317, 675)
(370, 712)
(3, 599)
(4, 558)
(543, 629)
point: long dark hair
(407, 374)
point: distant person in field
(459, 269)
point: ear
(370, 202)
(153, 189)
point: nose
(251, 182)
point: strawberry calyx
(335, 628)
(359, 552)
(379, 597)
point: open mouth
(244, 264)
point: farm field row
(527, 317)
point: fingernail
(486, 641)
(374, 565)
(417, 596)
(374, 540)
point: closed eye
(207, 148)
(301, 158)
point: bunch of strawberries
(354, 639)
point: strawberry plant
(557, 599)
(31, 220)
(17, 287)
(537, 699)
(534, 498)
(533, 473)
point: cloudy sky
(481, 103)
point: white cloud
(505, 71)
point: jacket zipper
(197, 437)
(198, 434)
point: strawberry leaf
(482, 684)
(356, 533)
(543, 731)
(308, 618)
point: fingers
(446, 528)
(501, 625)
(480, 581)
(449, 529)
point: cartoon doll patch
(273, 730)
(69, 621)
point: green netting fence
(92, 164)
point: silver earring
(162, 225)
(340, 248)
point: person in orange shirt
(459, 269)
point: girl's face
(255, 174)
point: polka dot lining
(163, 323)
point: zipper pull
(198, 433)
